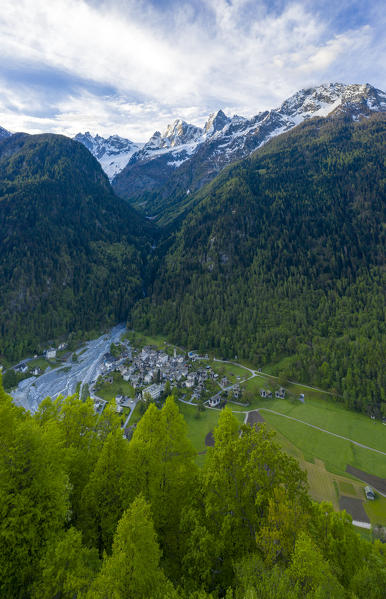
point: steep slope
(160, 178)
(113, 152)
(4, 133)
(71, 252)
(283, 256)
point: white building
(153, 390)
(214, 402)
(148, 377)
(51, 353)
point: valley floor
(320, 433)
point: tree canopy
(138, 519)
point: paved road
(262, 374)
(64, 379)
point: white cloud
(181, 64)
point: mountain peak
(180, 132)
(325, 98)
(216, 122)
(113, 153)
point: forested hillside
(86, 514)
(283, 256)
(72, 255)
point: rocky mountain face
(185, 157)
(113, 153)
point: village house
(99, 405)
(148, 377)
(266, 393)
(236, 391)
(50, 353)
(136, 381)
(162, 360)
(280, 394)
(108, 361)
(215, 401)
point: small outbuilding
(369, 493)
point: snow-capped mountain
(4, 133)
(113, 153)
(186, 156)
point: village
(148, 374)
(153, 373)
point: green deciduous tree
(106, 495)
(132, 571)
(34, 496)
(310, 573)
(67, 568)
(239, 478)
(163, 469)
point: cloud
(129, 66)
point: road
(64, 379)
(263, 374)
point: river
(64, 379)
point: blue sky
(132, 66)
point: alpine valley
(259, 237)
(238, 263)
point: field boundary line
(323, 430)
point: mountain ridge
(160, 172)
(72, 254)
(281, 255)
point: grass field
(136, 415)
(140, 340)
(321, 410)
(347, 488)
(265, 380)
(376, 510)
(331, 416)
(335, 453)
(198, 428)
(42, 363)
(231, 371)
(328, 486)
(109, 391)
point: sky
(130, 67)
